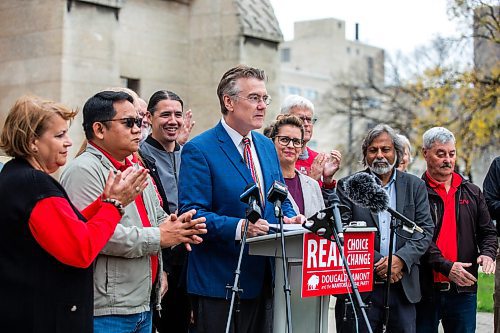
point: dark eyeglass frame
(312, 120)
(297, 143)
(129, 122)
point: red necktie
(247, 156)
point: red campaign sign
(323, 272)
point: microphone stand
(253, 213)
(235, 288)
(329, 232)
(278, 212)
(362, 306)
(410, 227)
(393, 227)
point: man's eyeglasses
(285, 141)
(308, 119)
(255, 99)
(129, 122)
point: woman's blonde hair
(27, 120)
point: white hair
(296, 101)
(437, 134)
(406, 143)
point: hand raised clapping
(125, 186)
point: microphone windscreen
(362, 189)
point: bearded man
(382, 153)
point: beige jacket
(122, 270)
(313, 199)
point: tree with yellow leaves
(441, 92)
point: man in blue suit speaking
(216, 167)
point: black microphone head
(250, 191)
(362, 189)
(253, 212)
(277, 191)
(332, 198)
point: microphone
(278, 192)
(334, 201)
(251, 197)
(362, 189)
(251, 191)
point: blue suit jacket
(212, 176)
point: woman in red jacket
(46, 245)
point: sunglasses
(129, 122)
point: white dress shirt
(237, 140)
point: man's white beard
(381, 170)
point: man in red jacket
(319, 166)
(464, 238)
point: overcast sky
(390, 24)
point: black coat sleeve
(491, 189)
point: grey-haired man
(464, 238)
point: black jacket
(476, 234)
(150, 164)
(38, 293)
(491, 189)
(174, 259)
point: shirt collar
(114, 162)
(455, 181)
(153, 142)
(234, 135)
(393, 178)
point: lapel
(400, 200)
(400, 191)
(373, 215)
(306, 185)
(232, 153)
(375, 219)
(264, 156)
(100, 156)
(308, 193)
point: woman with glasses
(287, 133)
(47, 246)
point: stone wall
(31, 47)
(69, 50)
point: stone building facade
(67, 50)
